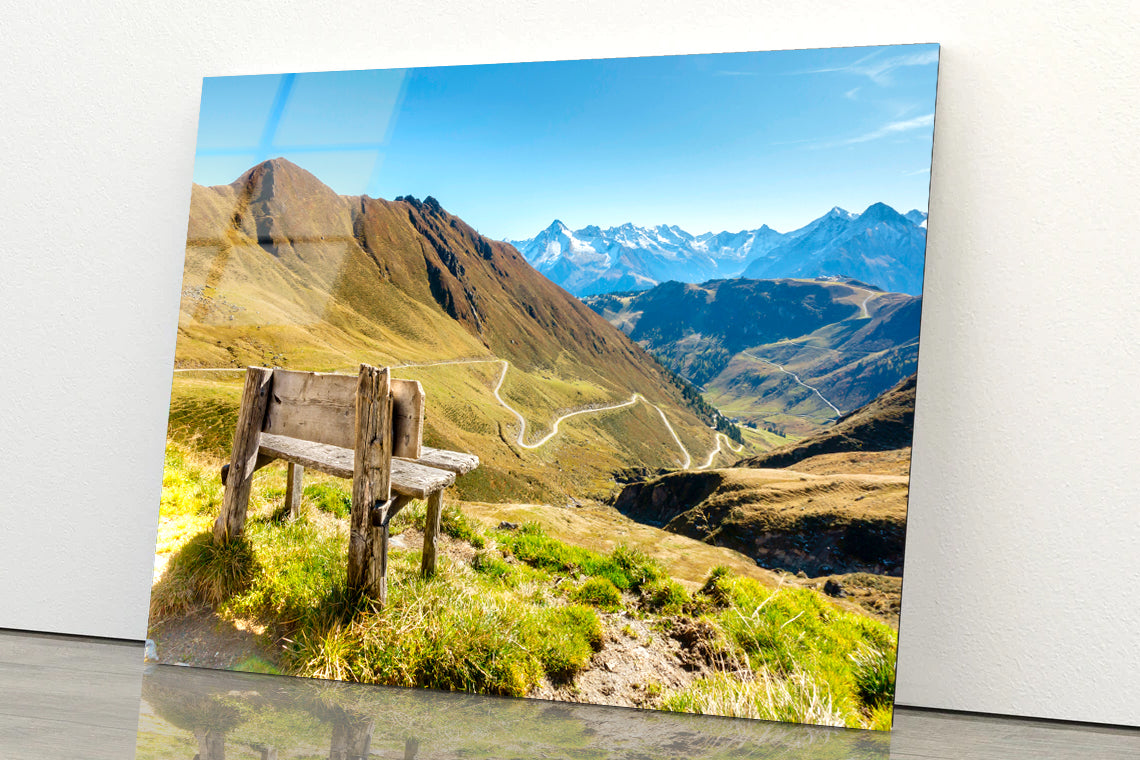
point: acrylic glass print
(653, 453)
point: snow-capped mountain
(880, 247)
(591, 260)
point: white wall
(1023, 554)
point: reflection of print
(188, 711)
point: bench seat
(434, 471)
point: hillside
(832, 503)
(784, 519)
(282, 271)
(788, 356)
(886, 424)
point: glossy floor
(62, 697)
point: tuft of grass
(203, 571)
(569, 637)
(795, 633)
(716, 586)
(448, 633)
(665, 595)
(882, 718)
(492, 565)
(599, 592)
(302, 573)
(874, 677)
(452, 522)
(190, 484)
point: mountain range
(880, 246)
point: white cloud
(878, 69)
(892, 128)
(888, 129)
(850, 94)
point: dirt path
(796, 377)
(686, 458)
(712, 454)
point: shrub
(599, 592)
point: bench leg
(431, 532)
(243, 459)
(293, 490)
(371, 482)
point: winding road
(717, 450)
(686, 458)
(796, 377)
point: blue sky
(707, 142)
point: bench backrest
(321, 407)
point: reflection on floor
(63, 697)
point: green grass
(626, 568)
(598, 592)
(666, 596)
(451, 633)
(525, 609)
(814, 662)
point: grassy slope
(512, 610)
(885, 424)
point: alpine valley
(880, 247)
(788, 356)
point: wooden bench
(367, 428)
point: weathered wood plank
(453, 461)
(313, 406)
(407, 418)
(431, 533)
(243, 456)
(322, 457)
(294, 489)
(372, 476)
(408, 478)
